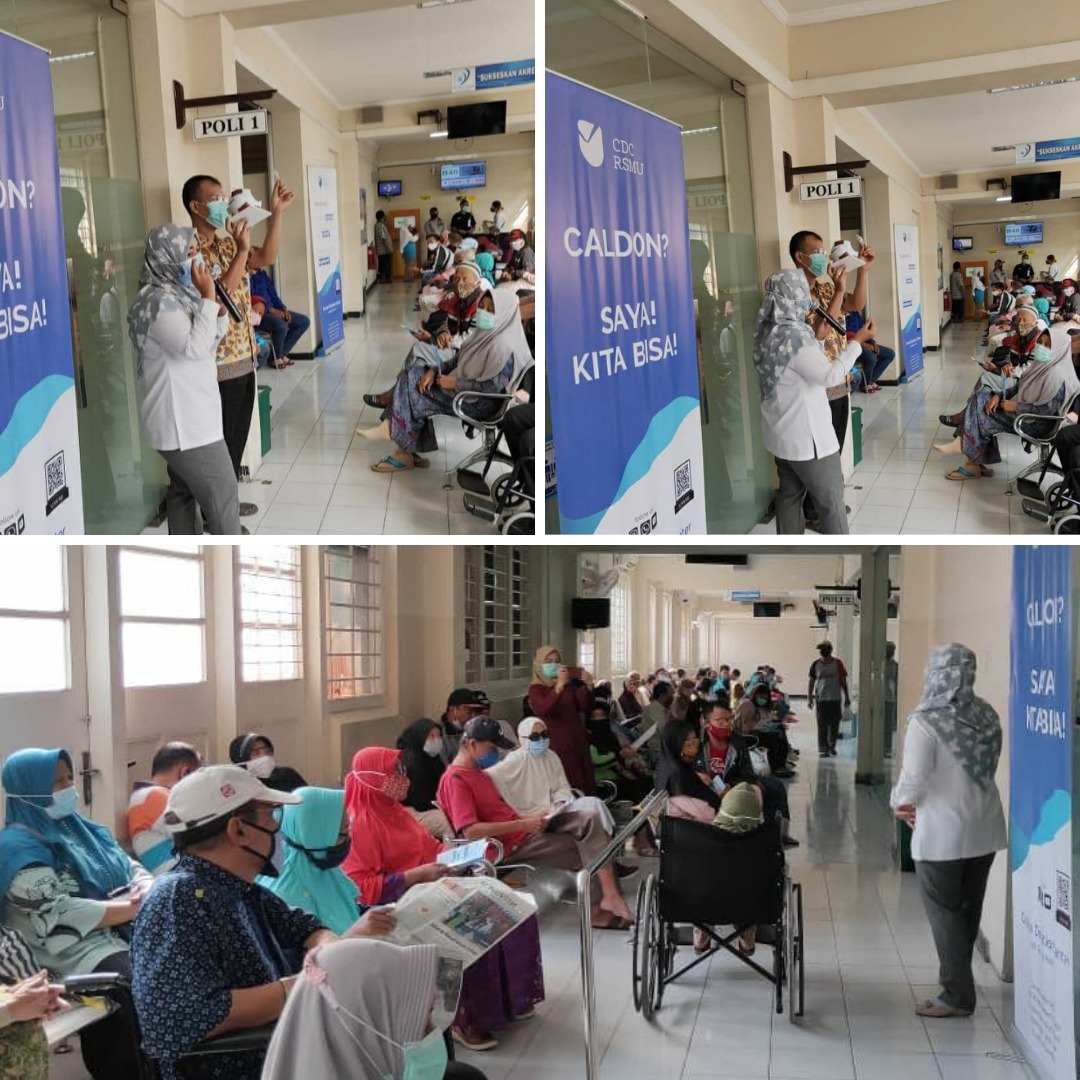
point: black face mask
(328, 858)
(270, 867)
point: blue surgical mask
(1041, 353)
(538, 748)
(217, 213)
(489, 759)
(185, 274)
(819, 264)
(485, 320)
(550, 670)
(63, 805)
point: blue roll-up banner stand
(326, 249)
(621, 348)
(40, 481)
(909, 294)
(1041, 769)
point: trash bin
(856, 432)
(264, 418)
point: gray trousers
(824, 481)
(952, 894)
(202, 478)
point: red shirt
(467, 796)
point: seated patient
(741, 812)
(365, 1028)
(25, 1000)
(212, 951)
(256, 754)
(422, 747)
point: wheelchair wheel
(1067, 526)
(794, 948)
(513, 500)
(652, 989)
(638, 948)
(801, 957)
(1057, 498)
(522, 524)
(780, 963)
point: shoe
(832, 752)
(947, 421)
(373, 401)
(938, 1010)
(790, 841)
(784, 774)
(624, 870)
(244, 530)
(248, 509)
(823, 751)
(528, 1014)
(474, 1040)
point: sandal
(421, 462)
(746, 952)
(986, 471)
(616, 922)
(963, 474)
(390, 464)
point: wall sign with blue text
(494, 76)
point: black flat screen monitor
(474, 121)
(1036, 187)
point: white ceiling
(801, 12)
(955, 133)
(380, 57)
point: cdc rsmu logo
(591, 142)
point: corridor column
(869, 765)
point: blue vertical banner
(621, 349)
(326, 248)
(40, 481)
(909, 294)
(1040, 753)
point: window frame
(621, 622)
(238, 594)
(512, 613)
(378, 697)
(62, 616)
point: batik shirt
(202, 933)
(834, 342)
(236, 350)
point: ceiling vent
(948, 182)
(371, 114)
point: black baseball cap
(464, 696)
(487, 729)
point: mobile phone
(122, 891)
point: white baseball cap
(214, 792)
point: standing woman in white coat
(947, 794)
(796, 422)
(176, 323)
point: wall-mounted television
(1021, 233)
(962, 243)
(590, 612)
(474, 121)
(465, 174)
(1036, 187)
(767, 609)
(389, 188)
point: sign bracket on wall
(183, 103)
(790, 171)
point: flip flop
(390, 464)
(963, 474)
(616, 922)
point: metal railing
(584, 878)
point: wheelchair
(710, 878)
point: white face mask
(518, 245)
(261, 767)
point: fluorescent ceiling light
(1034, 85)
(1003, 198)
(440, 3)
(438, 134)
(71, 56)
(700, 131)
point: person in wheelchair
(390, 852)
(369, 1028)
(485, 363)
(741, 811)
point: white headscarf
(531, 784)
(389, 987)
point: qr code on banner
(56, 489)
(1064, 900)
(684, 489)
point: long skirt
(505, 982)
(978, 429)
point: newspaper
(462, 917)
(463, 854)
(642, 739)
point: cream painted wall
(1061, 237)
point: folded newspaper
(462, 917)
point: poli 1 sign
(850, 187)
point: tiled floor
(317, 476)
(900, 484)
(869, 956)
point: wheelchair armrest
(1021, 422)
(476, 395)
(234, 1042)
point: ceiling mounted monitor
(1036, 187)
(475, 121)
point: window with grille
(35, 620)
(162, 615)
(620, 627)
(654, 636)
(684, 639)
(587, 649)
(498, 627)
(352, 617)
(271, 636)
(665, 628)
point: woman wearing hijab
(741, 812)
(390, 853)
(948, 796)
(256, 754)
(58, 871)
(422, 750)
(486, 362)
(176, 323)
(485, 263)
(363, 1009)
(796, 421)
(692, 793)
(563, 703)
(1046, 384)
(611, 762)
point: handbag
(759, 761)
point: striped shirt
(151, 842)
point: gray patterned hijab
(968, 726)
(483, 354)
(161, 283)
(781, 328)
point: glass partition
(104, 230)
(601, 44)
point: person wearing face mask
(175, 324)
(212, 951)
(564, 698)
(998, 275)
(1052, 274)
(256, 754)
(439, 259)
(497, 222)
(1023, 271)
(1044, 386)
(463, 223)
(754, 715)
(390, 853)
(59, 872)
(423, 750)
(827, 685)
(486, 362)
(434, 227)
(956, 293)
(231, 258)
(150, 840)
(472, 802)
(522, 261)
(1070, 302)
(378, 1027)
(384, 247)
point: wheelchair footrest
(481, 508)
(1037, 510)
(1029, 488)
(470, 480)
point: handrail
(584, 877)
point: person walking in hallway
(948, 796)
(384, 247)
(956, 293)
(828, 683)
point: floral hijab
(161, 283)
(968, 726)
(781, 328)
